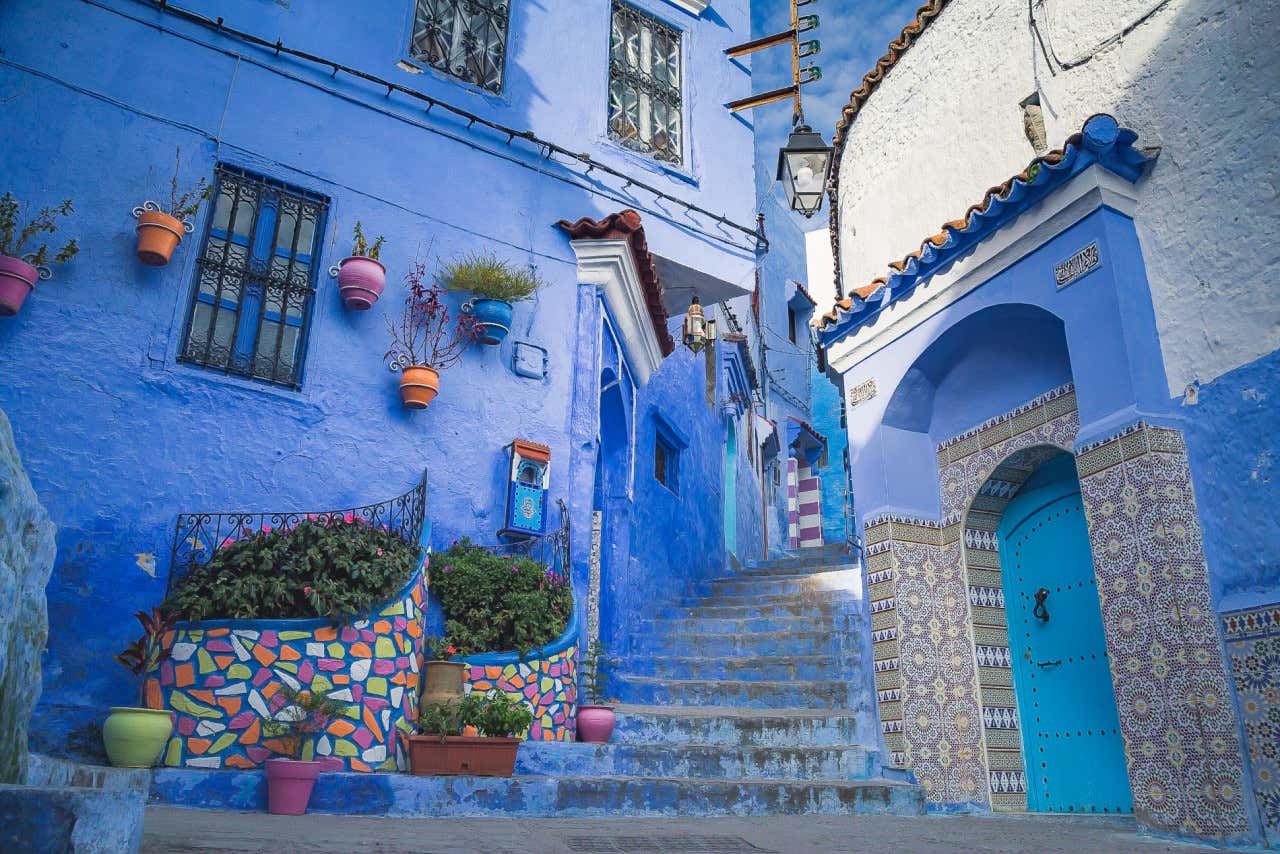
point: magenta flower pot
(595, 723)
(289, 784)
(360, 281)
(17, 279)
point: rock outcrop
(26, 560)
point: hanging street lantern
(698, 330)
(803, 167)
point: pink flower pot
(360, 281)
(595, 723)
(17, 279)
(289, 784)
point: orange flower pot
(158, 235)
(419, 385)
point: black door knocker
(1040, 612)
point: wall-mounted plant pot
(134, 737)
(442, 681)
(360, 281)
(289, 785)
(419, 385)
(595, 723)
(17, 280)
(460, 754)
(158, 234)
(494, 316)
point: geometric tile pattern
(1179, 724)
(1253, 644)
(549, 686)
(226, 679)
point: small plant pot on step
(595, 723)
(289, 785)
(419, 385)
(158, 235)
(460, 754)
(442, 681)
(494, 316)
(134, 737)
(17, 280)
(360, 281)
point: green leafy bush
(335, 567)
(495, 603)
(488, 276)
(20, 228)
(494, 714)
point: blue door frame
(731, 489)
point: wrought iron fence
(553, 549)
(199, 536)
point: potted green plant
(19, 270)
(161, 227)
(425, 342)
(437, 748)
(595, 719)
(442, 678)
(494, 285)
(135, 735)
(291, 778)
(361, 276)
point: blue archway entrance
(1074, 752)
(731, 489)
(611, 504)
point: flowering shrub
(334, 567)
(425, 335)
(496, 603)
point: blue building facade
(132, 403)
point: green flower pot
(135, 737)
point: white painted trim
(610, 266)
(1093, 188)
(693, 7)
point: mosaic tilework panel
(1253, 644)
(226, 679)
(1179, 724)
(548, 686)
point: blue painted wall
(826, 404)
(118, 437)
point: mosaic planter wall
(546, 680)
(225, 680)
(1253, 643)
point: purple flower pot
(595, 723)
(289, 784)
(17, 279)
(360, 281)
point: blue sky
(854, 34)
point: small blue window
(668, 445)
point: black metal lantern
(803, 166)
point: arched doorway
(1072, 744)
(730, 489)
(611, 504)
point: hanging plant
(161, 227)
(18, 231)
(495, 284)
(361, 276)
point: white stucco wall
(820, 268)
(1199, 78)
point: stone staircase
(745, 700)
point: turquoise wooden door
(1062, 678)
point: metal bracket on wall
(529, 360)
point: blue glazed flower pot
(495, 316)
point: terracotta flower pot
(360, 281)
(595, 723)
(460, 754)
(17, 279)
(158, 235)
(289, 785)
(442, 681)
(419, 385)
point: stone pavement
(172, 830)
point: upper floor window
(255, 279)
(644, 84)
(465, 38)
(666, 462)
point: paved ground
(171, 830)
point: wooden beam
(761, 43)
(763, 98)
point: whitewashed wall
(1197, 77)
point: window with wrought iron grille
(255, 279)
(644, 84)
(464, 38)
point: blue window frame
(668, 445)
(255, 279)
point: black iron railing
(553, 549)
(197, 537)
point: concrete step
(767, 585)
(778, 609)
(758, 694)
(788, 668)
(748, 643)
(799, 598)
(704, 761)
(796, 566)
(439, 797)
(640, 724)
(685, 622)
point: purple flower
(448, 569)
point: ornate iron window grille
(255, 279)
(464, 38)
(645, 80)
(197, 537)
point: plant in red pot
(19, 269)
(161, 227)
(135, 735)
(361, 276)
(427, 339)
(290, 779)
(442, 678)
(596, 719)
(438, 748)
